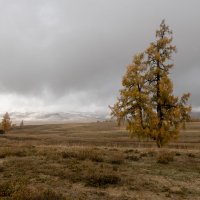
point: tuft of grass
(7, 152)
(2, 168)
(165, 157)
(19, 191)
(149, 153)
(68, 154)
(28, 194)
(178, 153)
(191, 155)
(133, 157)
(116, 159)
(83, 154)
(102, 179)
(6, 189)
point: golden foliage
(6, 122)
(146, 102)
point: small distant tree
(146, 102)
(6, 123)
(21, 124)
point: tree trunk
(159, 142)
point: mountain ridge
(56, 117)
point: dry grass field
(88, 161)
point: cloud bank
(69, 55)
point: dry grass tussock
(83, 154)
(165, 157)
(18, 191)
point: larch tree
(6, 122)
(146, 102)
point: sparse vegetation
(18, 191)
(117, 158)
(96, 161)
(165, 157)
(102, 178)
(83, 154)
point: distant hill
(56, 117)
(195, 115)
(63, 117)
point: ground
(79, 161)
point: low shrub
(19, 191)
(116, 159)
(83, 154)
(6, 189)
(102, 178)
(12, 152)
(132, 157)
(165, 157)
(191, 155)
(2, 168)
(177, 153)
(68, 154)
(149, 153)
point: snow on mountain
(56, 117)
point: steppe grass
(47, 169)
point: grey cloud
(66, 47)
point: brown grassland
(79, 161)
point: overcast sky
(70, 55)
